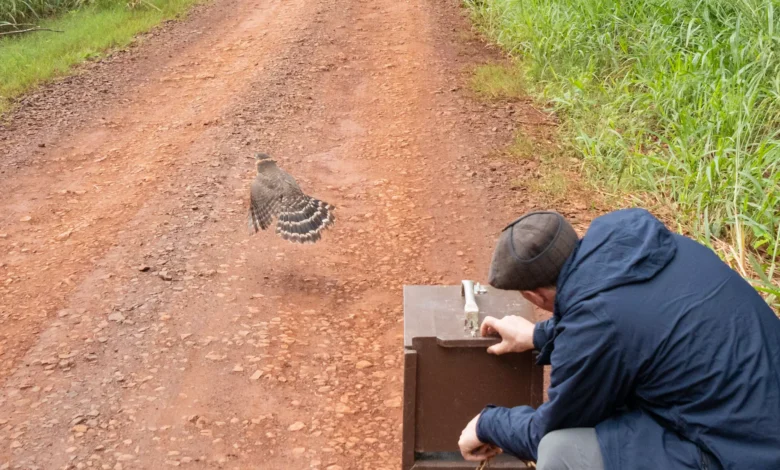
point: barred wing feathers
(300, 218)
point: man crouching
(662, 356)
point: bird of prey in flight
(276, 194)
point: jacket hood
(619, 248)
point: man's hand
(470, 446)
(517, 334)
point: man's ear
(543, 297)
(534, 297)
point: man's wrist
(539, 337)
(484, 425)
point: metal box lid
(437, 311)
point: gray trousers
(570, 449)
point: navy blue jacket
(659, 345)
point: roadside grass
(523, 147)
(496, 81)
(16, 12)
(676, 102)
(553, 185)
(27, 60)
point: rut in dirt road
(142, 326)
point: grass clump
(552, 185)
(494, 81)
(523, 147)
(27, 60)
(677, 99)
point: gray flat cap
(531, 251)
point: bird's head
(262, 160)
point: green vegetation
(524, 148)
(494, 81)
(678, 100)
(29, 11)
(29, 59)
(16, 14)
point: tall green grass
(675, 99)
(30, 59)
(14, 12)
(28, 12)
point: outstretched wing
(264, 204)
(302, 218)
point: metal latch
(469, 290)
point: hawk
(274, 193)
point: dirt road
(142, 327)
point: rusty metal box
(449, 377)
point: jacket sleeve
(590, 380)
(544, 333)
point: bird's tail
(303, 221)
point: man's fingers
(489, 453)
(477, 455)
(500, 348)
(468, 453)
(483, 452)
(488, 326)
